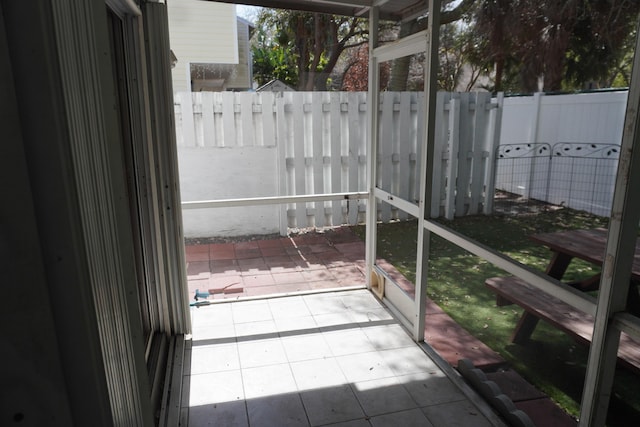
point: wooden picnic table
(588, 245)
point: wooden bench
(540, 305)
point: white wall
(200, 31)
(204, 175)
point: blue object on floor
(203, 295)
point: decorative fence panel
(583, 176)
(320, 141)
(523, 169)
(571, 174)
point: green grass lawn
(551, 361)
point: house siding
(196, 31)
(242, 78)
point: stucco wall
(212, 173)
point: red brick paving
(276, 265)
(454, 343)
(543, 412)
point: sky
(247, 12)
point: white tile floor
(336, 359)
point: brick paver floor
(333, 259)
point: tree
(452, 12)
(272, 61)
(311, 41)
(356, 74)
(620, 74)
(355, 77)
(602, 45)
(563, 44)
(315, 43)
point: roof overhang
(395, 10)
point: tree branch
(449, 16)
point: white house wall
(241, 78)
(200, 32)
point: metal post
(372, 152)
(616, 269)
(537, 99)
(426, 168)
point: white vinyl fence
(562, 149)
(245, 145)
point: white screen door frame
(411, 311)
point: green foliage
(570, 45)
(302, 47)
(273, 61)
(459, 50)
(595, 63)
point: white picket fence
(468, 126)
(247, 144)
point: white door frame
(411, 312)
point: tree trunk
(400, 66)
(499, 73)
(399, 74)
